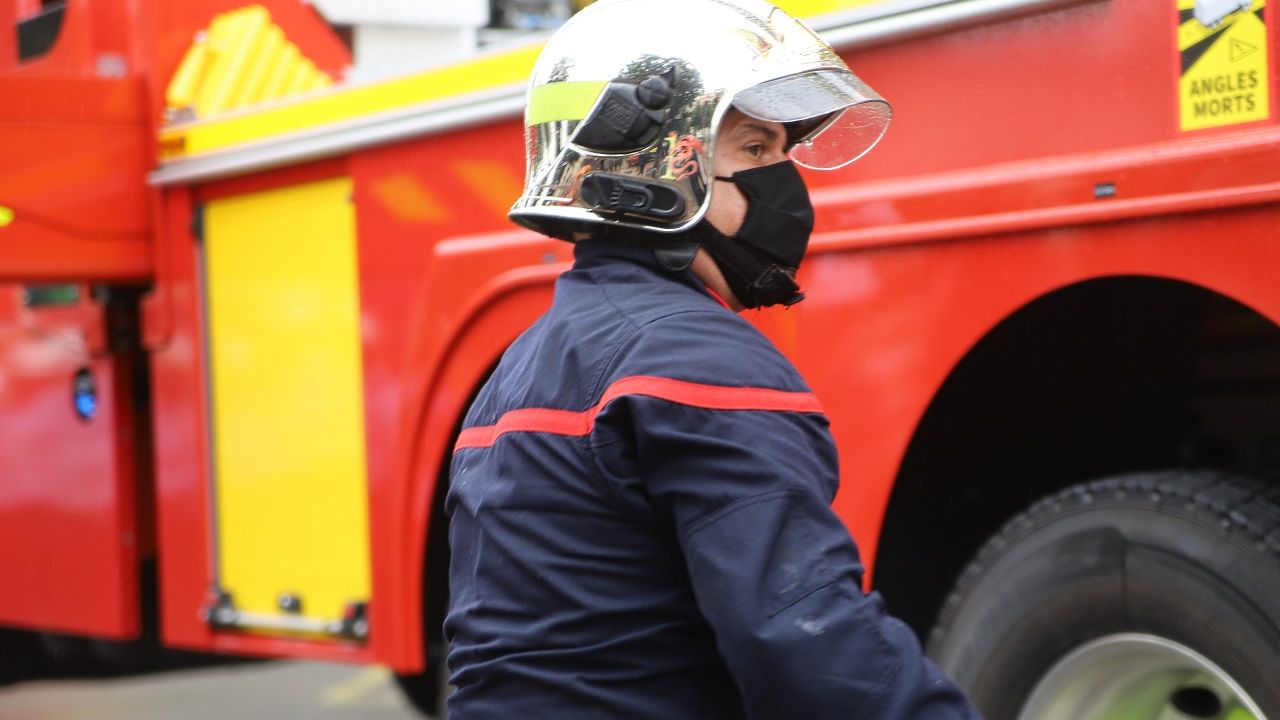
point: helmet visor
(855, 116)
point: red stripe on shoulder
(556, 422)
(712, 397)
(700, 395)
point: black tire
(70, 656)
(1191, 557)
(21, 657)
(427, 691)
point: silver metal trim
(205, 330)
(289, 623)
(857, 28)
(336, 138)
(223, 614)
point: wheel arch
(435, 407)
(1101, 376)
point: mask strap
(755, 280)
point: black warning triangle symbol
(1241, 49)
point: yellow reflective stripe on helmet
(562, 101)
(6, 216)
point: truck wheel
(20, 656)
(1141, 597)
(428, 690)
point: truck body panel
(68, 512)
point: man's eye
(755, 150)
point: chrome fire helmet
(625, 99)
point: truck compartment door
(68, 536)
(290, 503)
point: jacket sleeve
(774, 571)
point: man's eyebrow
(750, 127)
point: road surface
(244, 691)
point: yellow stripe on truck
(346, 103)
(236, 63)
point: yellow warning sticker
(1225, 62)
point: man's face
(742, 143)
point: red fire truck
(245, 302)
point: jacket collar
(594, 253)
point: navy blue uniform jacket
(640, 525)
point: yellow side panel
(287, 400)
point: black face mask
(779, 215)
(758, 262)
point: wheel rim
(1135, 676)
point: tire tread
(1242, 507)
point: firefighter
(640, 520)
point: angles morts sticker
(1225, 59)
